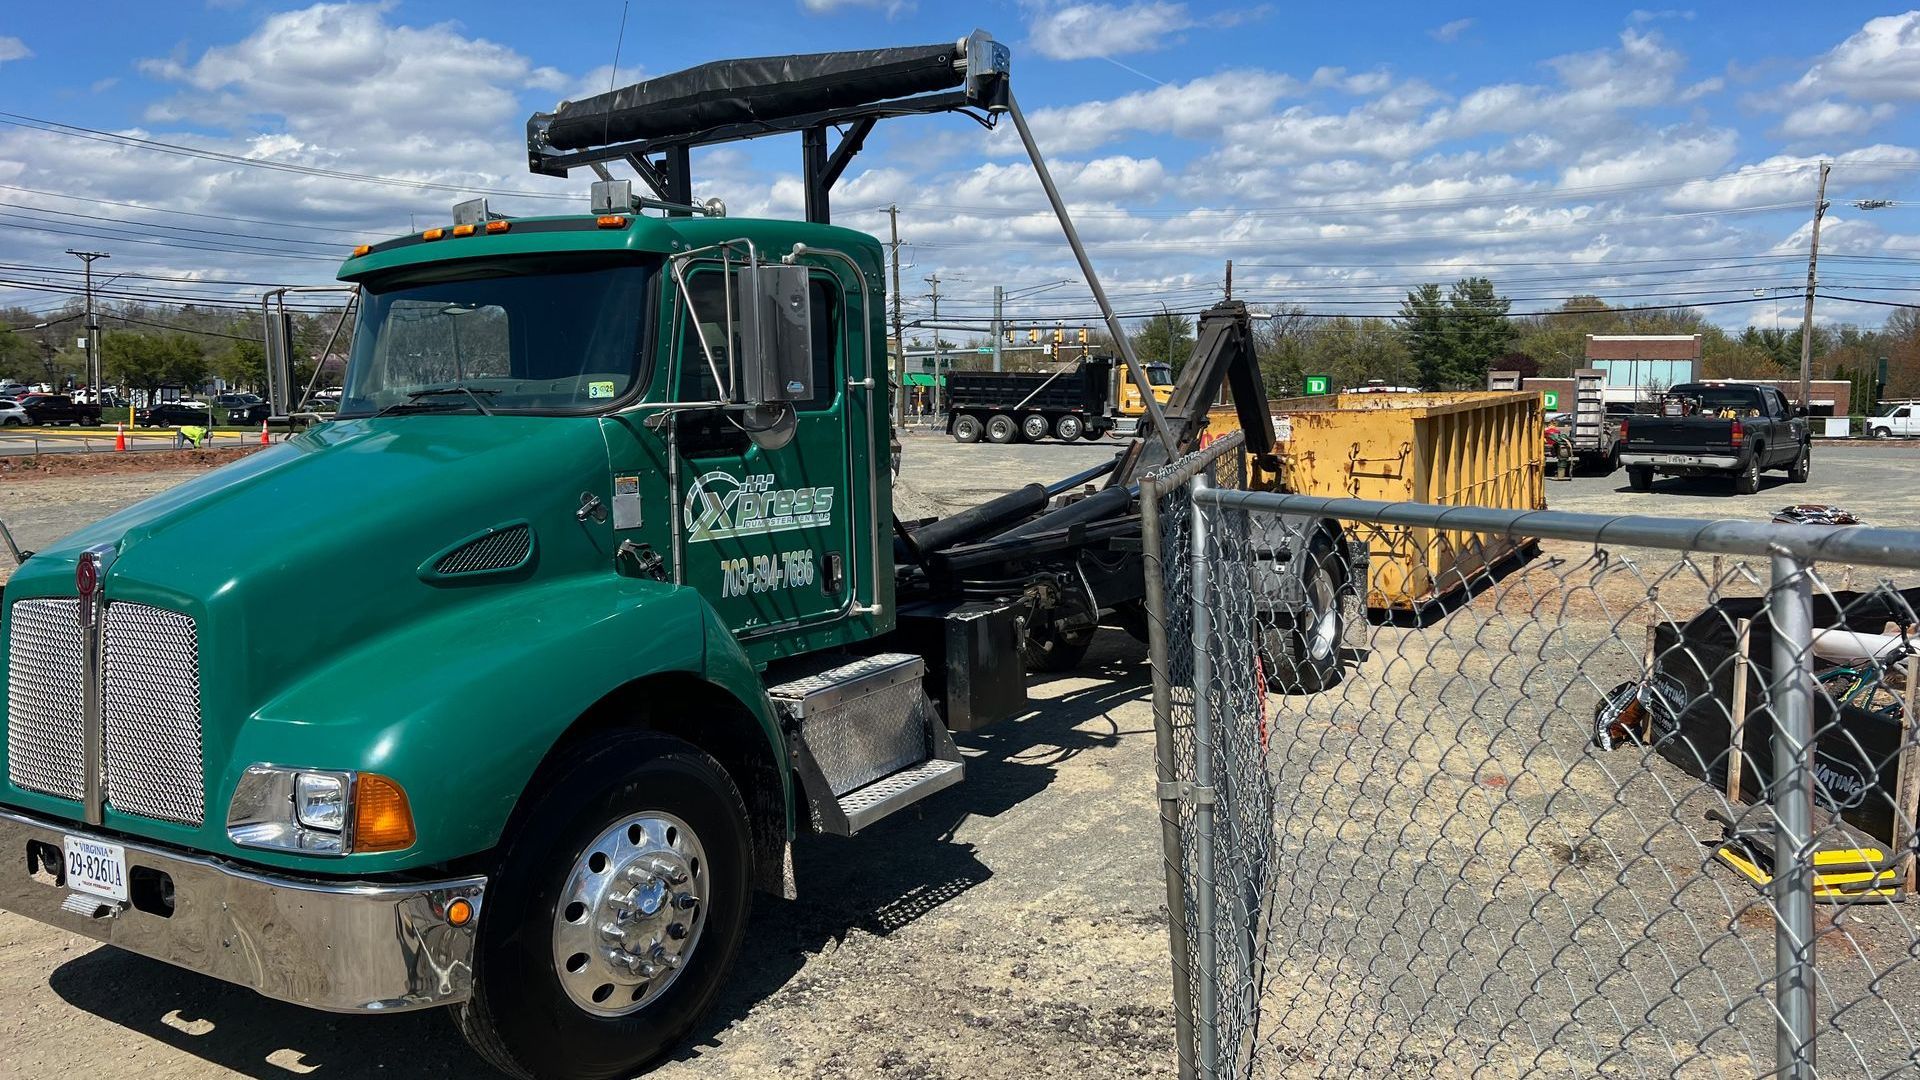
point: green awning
(922, 378)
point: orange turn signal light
(463, 230)
(611, 221)
(433, 234)
(460, 912)
(499, 226)
(362, 250)
(382, 818)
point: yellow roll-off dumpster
(1465, 448)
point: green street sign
(1318, 384)
(984, 349)
(1551, 397)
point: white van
(1894, 418)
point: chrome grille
(150, 713)
(46, 699)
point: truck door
(765, 533)
(1904, 422)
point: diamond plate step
(865, 739)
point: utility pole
(1229, 279)
(934, 280)
(93, 321)
(899, 344)
(1806, 321)
(999, 327)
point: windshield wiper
(414, 396)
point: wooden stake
(1736, 742)
(1907, 777)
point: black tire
(1802, 466)
(1879, 433)
(520, 1018)
(1093, 434)
(1068, 427)
(1131, 616)
(1747, 480)
(1612, 461)
(1001, 429)
(967, 428)
(1049, 649)
(1034, 427)
(1300, 654)
(1640, 477)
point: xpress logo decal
(720, 505)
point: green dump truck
(507, 686)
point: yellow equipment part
(1840, 875)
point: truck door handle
(590, 507)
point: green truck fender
(463, 707)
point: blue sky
(1336, 152)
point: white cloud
(1084, 31)
(1821, 119)
(1881, 62)
(1786, 177)
(12, 48)
(1198, 109)
(1449, 32)
(1648, 156)
(1359, 84)
(892, 8)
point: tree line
(145, 347)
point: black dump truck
(1734, 429)
(1008, 406)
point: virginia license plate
(97, 868)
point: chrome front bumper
(338, 946)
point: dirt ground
(1015, 926)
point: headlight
(319, 811)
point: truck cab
(504, 675)
(1739, 430)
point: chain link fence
(1623, 796)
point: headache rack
(654, 124)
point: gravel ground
(1010, 927)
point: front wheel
(967, 428)
(1879, 433)
(1068, 427)
(614, 915)
(1802, 466)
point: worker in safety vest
(190, 435)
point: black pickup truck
(1738, 429)
(48, 410)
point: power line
(75, 131)
(184, 213)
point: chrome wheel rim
(1326, 618)
(630, 914)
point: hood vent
(497, 550)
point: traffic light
(1083, 335)
(1033, 336)
(1010, 334)
(1058, 335)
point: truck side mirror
(1800, 410)
(776, 336)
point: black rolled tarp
(756, 89)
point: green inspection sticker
(599, 389)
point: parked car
(51, 409)
(1733, 429)
(11, 414)
(244, 408)
(175, 414)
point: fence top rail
(1869, 546)
(1187, 467)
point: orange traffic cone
(120, 438)
(263, 433)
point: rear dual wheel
(614, 914)
(1001, 429)
(1034, 427)
(1069, 427)
(967, 428)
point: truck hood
(313, 545)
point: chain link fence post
(1167, 772)
(1790, 607)
(1203, 753)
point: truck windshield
(1159, 374)
(520, 336)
